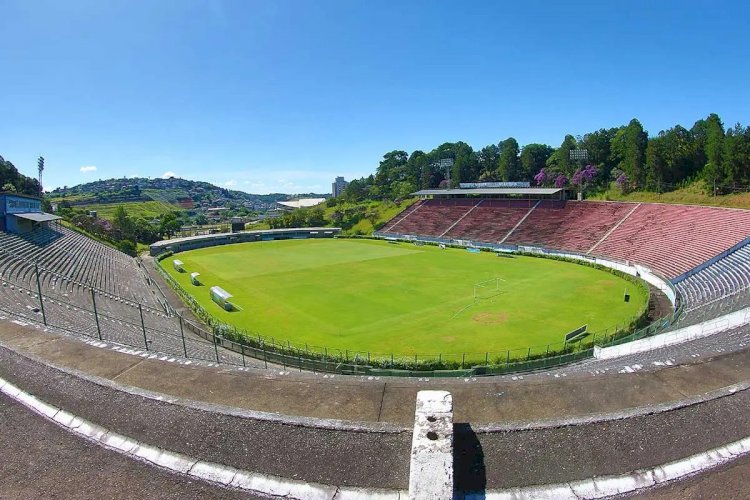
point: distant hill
(181, 193)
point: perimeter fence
(324, 359)
(98, 315)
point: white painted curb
(598, 487)
(686, 334)
(178, 463)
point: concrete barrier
(431, 468)
(692, 332)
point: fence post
(39, 290)
(216, 348)
(182, 334)
(265, 355)
(463, 359)
(143, 326)
(96, 316)
(242, 353)
(486, 359)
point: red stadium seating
(671, 239)
(577, 226)
(674, 239)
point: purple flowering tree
(584, 176)
(622, 182)
(561, 181)
(541, 177)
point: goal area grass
(372, 296)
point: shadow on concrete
(469, 473)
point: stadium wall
(692, 332)
(194, 242)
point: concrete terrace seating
(490, 221)
(401, 216)
(76, 261)
(69, 304)
(670, 239)
(674, 239)
(722, 278)
(433, 217)
(576, 225)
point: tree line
(624, 157)
(12, 180)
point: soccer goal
(484, 290)
(487, 289)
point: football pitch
(372, 296)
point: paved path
(479, 401)
(375, 451)
(40, 460)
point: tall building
(338, 186)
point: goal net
(487, 289)
(484, 290)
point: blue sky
(283, 95)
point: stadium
(125, 353)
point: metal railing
(93, 314)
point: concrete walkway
(351, 431)
(483, 402)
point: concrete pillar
(431, 469)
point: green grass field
(145, 209)
(373, 296)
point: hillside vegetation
(138, 209)
(693, 194)
(354, 218)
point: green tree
(509, 166)
(534, 158)
(559, 161)
(629, 145)
(713, 172)
(487, 161)
(128, 247)
(169, 224)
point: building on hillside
(21, 214)
(186, 203)
(338, 186)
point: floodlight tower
(447, 163)
(578, 155)
(40, 166)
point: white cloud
(230, 183)
(88, 168)
(168, 174)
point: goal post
(487, 288)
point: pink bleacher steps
(402, 215)
(490, 221)
(674, 239)
(433, 218)
(670, 239)
(577, 226)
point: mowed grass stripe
(267, 259)
(373, 296)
